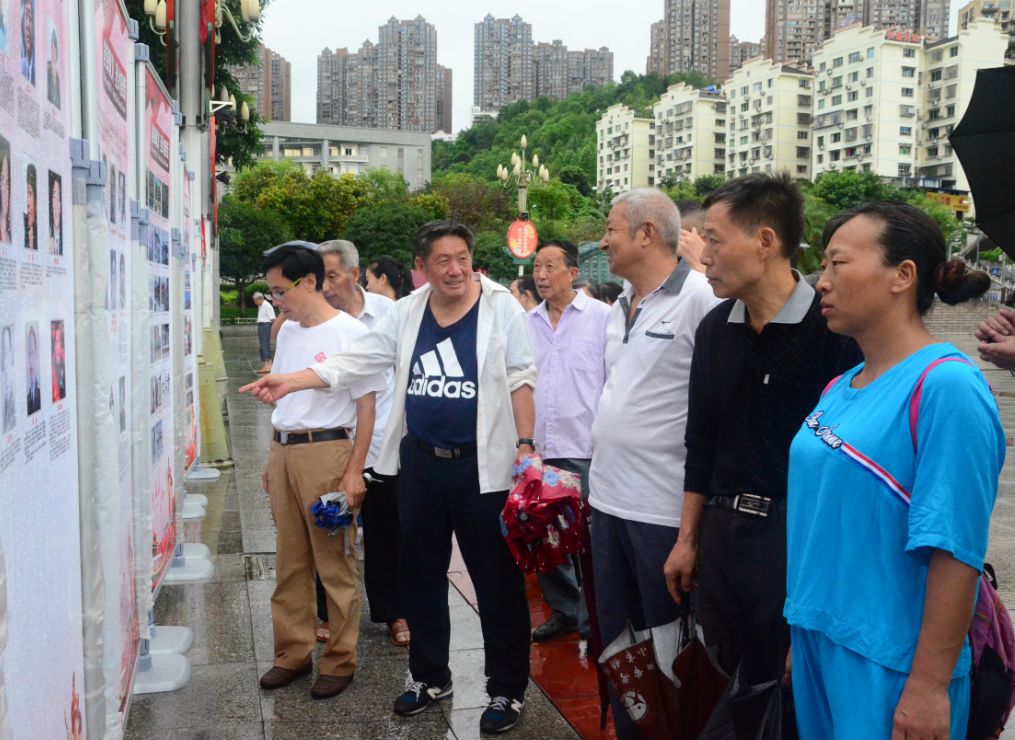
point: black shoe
(554, 627)
(501, 715)
(418, 696)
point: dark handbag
(753, 712)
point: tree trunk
(241, 295)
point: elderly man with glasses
(312, 455)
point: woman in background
(388, 277)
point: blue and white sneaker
(418, 696)
(501, 715)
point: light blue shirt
(858, 555)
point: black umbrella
(984, 141)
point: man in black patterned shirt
(761, 360)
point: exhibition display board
(158, 126)
(190, 278)
(40, 554)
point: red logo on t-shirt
(320, 357)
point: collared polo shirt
(638, 436)
(570, 373)
(750, 392)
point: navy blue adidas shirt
(440, 403)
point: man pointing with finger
(312, 454)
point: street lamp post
(522, 175)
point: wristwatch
(526, 441)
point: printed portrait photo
(59, 360)
(53, 67)
(5, 22)
(7, 377)
(28, 40)
(55, 213)
(31, 216)
(5, 190)
(33, 371)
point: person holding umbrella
(888, 507)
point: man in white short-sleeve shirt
(265, 317)
(311, 455)
(636, 479)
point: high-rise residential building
(269, 83)
(793, 28)
(407, 75)
(698, 37)
(1002, 12)
(743, 51)
(886, 101)
(444, 99)
(557, 72)
(655, 64)
(502, 62)
(928, 17)
(625, 150)
(768, 121)
(395, 83)
(690, 131)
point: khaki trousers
(297, 476)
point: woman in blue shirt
(887, 529)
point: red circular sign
(522, 239)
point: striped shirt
(570, 373)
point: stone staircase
(943, 319)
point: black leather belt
(445, 453)
(301, 438)
(748, 503)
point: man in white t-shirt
(265, 317)
(311, 455)
(381, 538)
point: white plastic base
(202, 473)
(167, 673)
(192, 510)
(170, 640)
(196, 550)
(198, 498)
(193, 570)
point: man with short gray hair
(381, 540)
(637, 471)
(265, 318)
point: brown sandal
(398, 629)
(323, 633)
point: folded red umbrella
(542, 521)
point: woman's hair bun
(955, 283)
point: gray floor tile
(216, 695)
(430, 725)
(234, 731)
(219, 615)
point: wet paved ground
(232, 626)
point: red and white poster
(190, 276)
(114, 48)
(40, 564)
(157, 152)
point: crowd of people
(791, 459)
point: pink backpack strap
(828, 387)
(914, 400)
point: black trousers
(742, 581)
(438, 497)
(381, 545)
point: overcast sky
(300, 29)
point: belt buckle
(749, 503)
(443, 453)
(283, 438)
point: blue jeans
(264, 340)
(561, 586)
(627, 563)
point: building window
(801, 135)
(851, 96)
(907, 92)
(869, 72)
(911, 72)
(854, 57)
(801, 169)
(935, 75)
(905, 169)
(909, 52)
(803, 152)
(837, 62)
(836, 100)
(853, 77)
(869, 93)
(905, 150)
(953, 52)
(905, 130)
(937, 56)
(870, 52)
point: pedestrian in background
(524, 291)
(890, 494)
(265, 318)
(636, 478)
(387, 277)
(568, 331)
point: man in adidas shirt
(311, 455)
(464, 376)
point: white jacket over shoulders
(505, 364)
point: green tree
(850, 188)
(491, 254)
(245, 231)
(385, 228)
(479, 204)
(316, 208)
